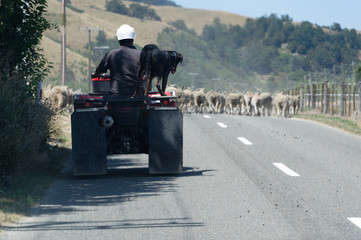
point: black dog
(157, 63)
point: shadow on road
(127, 180)
(106, 225)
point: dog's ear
(180, 57)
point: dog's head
(177, 58)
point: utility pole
(214, 83)
(63, 44)
(89, 48)
(193, 74)
(102, 48)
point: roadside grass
(347, 124)
(25, 191)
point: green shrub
(24, 123)
(24, 126)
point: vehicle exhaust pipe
(107, 122)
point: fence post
(322, 96)
(332, 90)
(316, 95)
(301, 98)
(325, 94)
(313, 96)
(349, 98)
(354, 97)
(336, 96)
(342, 100)
(359, 97)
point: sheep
(294, 104)
(186, 101)
(60, 97)
(255, 104)
(57, 95)
(281, 105)
(247, 103)
(266, 103)
(199, 100)
(234, 103)
(214, 100)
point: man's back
(123, 65)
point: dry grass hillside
(95, 15)
(196, 19)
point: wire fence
(333, 98)
(332, 91)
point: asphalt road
(244, 178)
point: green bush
(24, 126)
(24, 123)
(116, 6)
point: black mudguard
(89, 155)
(165, 140)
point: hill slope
(228, 51)
(93, 14)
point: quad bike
(103, 126)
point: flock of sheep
(254, 104)
(200, 101)
(60, 97)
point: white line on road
(206, 116)
(222, 125)
(245, 141)
(356, 221)
(286, 170)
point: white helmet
(125, 32)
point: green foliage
(274, 45)
(180, 25)
(116, 6)
(270, 46)
(134, 10)
(24, 124)
(143, 12)
(22, 24)
(358, 73)
(158, 2)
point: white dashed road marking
(206, 116)
(356, 221)
(222, 125)
(286, 170)
(245, 141)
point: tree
(143, 12)
(24, 124)
(116, 6)
(358, 73)
(157, 2)
(22, 24)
